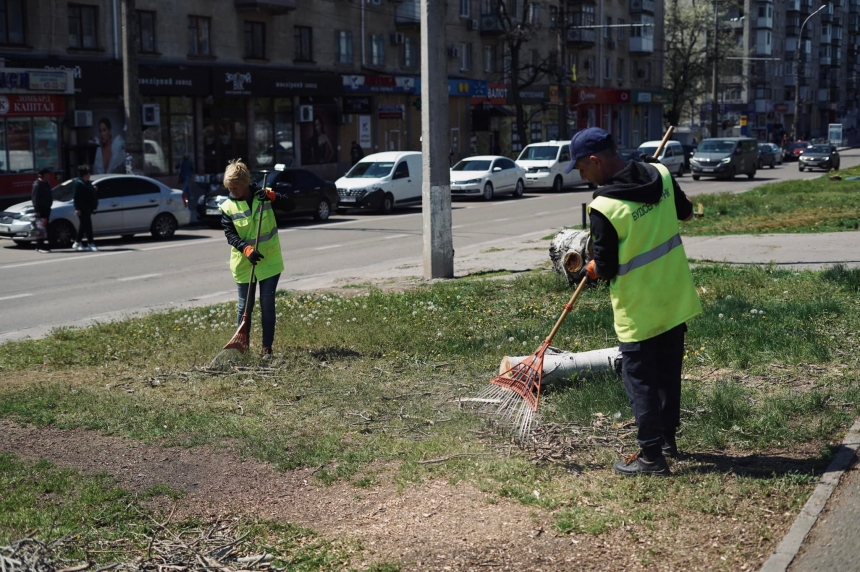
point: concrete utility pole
(131, 90)
(562, 85)
(797, 56)
(715, 81)
(436, 185)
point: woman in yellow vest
(637, 247)
(240, 214)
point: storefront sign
(780, 107)
(174, 80)
(598, 95)
(534, 94)
(497, 94)
(273, 83)
(364, 132)
(22, 80)
(391, 111)
(32, 106)
(356, 105)
(380, 83)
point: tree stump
(560, 365)
(570, 252)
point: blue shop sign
(461, 88)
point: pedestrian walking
(356, 154)
(86, 203)
(637, 248)
(240, 215)
(42, 199)
(186, 174)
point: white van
(672, 157)
(545, 164)
(382, 181)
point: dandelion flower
(753, 311)
(510, 339)
(721, 316)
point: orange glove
(591, 270)
(265, 194)
(252, 254)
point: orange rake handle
(567, 308)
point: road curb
(784, 554)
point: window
(304, 49)
(465, 8)
(535, 58)
(607, 68)
(620, 69)
(489, 59)
(410, 52)
(621, 22)
(12, 22)
(145, 31)
(82, 27)
(589, 67)
(607, 31)
(465, 57)
(553, 16)
(255, 40)
(571, 65)
(534, 14)
(198, 36)
(402, 171)
(343, 39)
(377, 49)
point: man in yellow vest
(637, 248)
(240, 214)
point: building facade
(297, 81)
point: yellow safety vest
(653, 291)
(245, 219)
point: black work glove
(263, 195)
(252, 254)
(650, 159)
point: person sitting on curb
(637, 248)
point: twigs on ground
(566, 442)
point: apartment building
(762, 86)
(296, 81)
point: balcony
(584, 37)
(267, 6)
(641, 45)
(853, 6)
(826, 37)
(407, 15)
(642, 6)
(793, 6)
(765, 22)
(825, 60)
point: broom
(515, 394)
(241, 340)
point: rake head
(241, 339)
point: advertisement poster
(364, 131)
(107, 134)
(319, 137)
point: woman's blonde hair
(237, 176)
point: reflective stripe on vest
(245, 219)
(653, 291)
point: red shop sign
(32, 106)
(600, 95)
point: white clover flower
(761, 312)
(537, 338)
(525, 342)
(729, 297)
(415, 312)
(721, 316)
(353, 319)
(753, 311)
(438, 334)
(510, 339)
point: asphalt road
(66, 288)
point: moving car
(545, 164)
(128, 205)
(766, 156)
(725, 157)
(487, 176)
(819, 157)
(309, 195)
(628, 154)
(382, 181)
(672, 157)
(777, 152)
(793, 150)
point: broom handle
(668, 134)
(253, 266)
(567, 308)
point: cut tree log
(570, 252)
(560, 365)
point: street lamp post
(797, 53)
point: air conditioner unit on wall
(397, 39)
(453, 52)
(306, 113)
(473, 24)
(83, 118)
(150, 114)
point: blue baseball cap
(588, 142)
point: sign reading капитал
(32, 106)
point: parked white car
(672, 156)
(128, 205)
(382, 181)
(487, 176)
(545, 164)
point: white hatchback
(672, 157)
(487, 176)
(545, 164)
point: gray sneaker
(93, 248)
(636, 465)
(77, 246)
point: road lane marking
(456, 226)
(329, 247)
(141, 277)
(15, 297)
(394, 236)
(500, 220)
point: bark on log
(559, 364)
(570, 252)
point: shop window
(165, 144)
(12, 22)
(284, 152)
(410, 53)
(255, 40)
(27, 144)
(263, 136)
(146, 32)
(377, 49)
(198, 36)
(343, 40)
(82, 27)
(304, 48)
(46, 138)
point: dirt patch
(432, 526)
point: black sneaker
(636, 465)
(670, 447)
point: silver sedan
(487, 176)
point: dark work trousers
(651, 371)
(86, 226)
